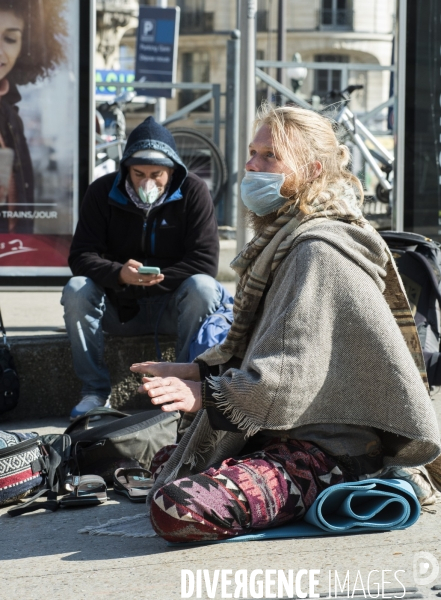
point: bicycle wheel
(203, 158)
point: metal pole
(400, 117)
(247, 101)
(281, 39)
(161, 103)
(92, 89)
(216, 113)
(238, 13)
(232, 126)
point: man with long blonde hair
(320, 379)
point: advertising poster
(38, 134)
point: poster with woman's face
(38, 134)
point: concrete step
(49, 387)
(35, 327)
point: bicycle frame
(356, 129)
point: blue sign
(156, 47)
(107, 77)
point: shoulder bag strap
(82, 422)
(396, 298)
(50, 503)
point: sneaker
(87, 403)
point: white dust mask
(148, 191)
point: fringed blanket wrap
(325, 347)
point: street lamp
(297, 75)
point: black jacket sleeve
(89, 245)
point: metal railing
(213, 92)
(335, 66)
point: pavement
(43, 556)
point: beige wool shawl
(332, 343)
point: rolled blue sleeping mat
(372, 504)
(347, 508)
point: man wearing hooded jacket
(152, 212)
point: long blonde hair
(301, 138)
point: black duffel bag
(419, 263)
(9, 384)
(126, 441)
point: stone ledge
(49, 387)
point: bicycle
(380, 160)
(202, 157)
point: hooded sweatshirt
(179, 235)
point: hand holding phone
(134, 272)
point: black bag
(9, 384)
(419, 263)
(127, 441)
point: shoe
(85, 490)
(88, 402)
(134, 482)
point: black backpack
(419, 263)
(9, 384)
(45, 463)
(121, 441)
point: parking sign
(156, 47)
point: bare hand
(189, 371)
(129, 275)
(173, 393)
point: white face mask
(148, 191)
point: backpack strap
(48, 462)
(31, 505)
(433, 366)
(82, 422)
(429, 270)
(396, 298)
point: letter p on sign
(148, 27)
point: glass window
(194, 18)
(195, 68)
(328, 79)
(127, 57)
(336, 14)
(191, 5)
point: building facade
(352, 31)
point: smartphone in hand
(149, 270)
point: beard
(258, 224)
